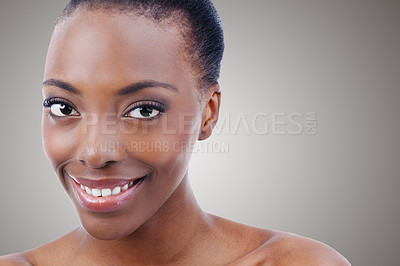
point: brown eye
(61, 109)
(143, 112)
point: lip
(103, 204)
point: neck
(168, 235)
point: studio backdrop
(308, 136)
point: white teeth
(105, 192)
(88, 190)
(96, 192)
(116, 190)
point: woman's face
(121, 112)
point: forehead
(103, 47)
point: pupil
(146, 111)
(65, 109)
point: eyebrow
(132, 88)
(61, 84)
(135, 87)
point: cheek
(58, 144)
(167, 148)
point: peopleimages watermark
(279, 123)
(282, 123)
(156, 146)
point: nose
(99, 145)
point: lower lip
(103, 204)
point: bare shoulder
(52, 253)
(255, 246)
(298, 250)
(17, 259)
(290, 249)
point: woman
(129, 87)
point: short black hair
(201, 24)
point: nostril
(97, 157)
(96, 164)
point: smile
(106, 194)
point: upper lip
(102, 182)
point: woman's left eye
(144, 112)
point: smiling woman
(125, 72)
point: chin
(105, 229)
(104, 235)
(107, 226)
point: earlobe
(210, 112)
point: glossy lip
(103, 204)
(101, 183)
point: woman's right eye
(59, 108)
(62, 109)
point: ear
(210, 114)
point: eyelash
(47, 103)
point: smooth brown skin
(99, 53)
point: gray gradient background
(337, 58)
